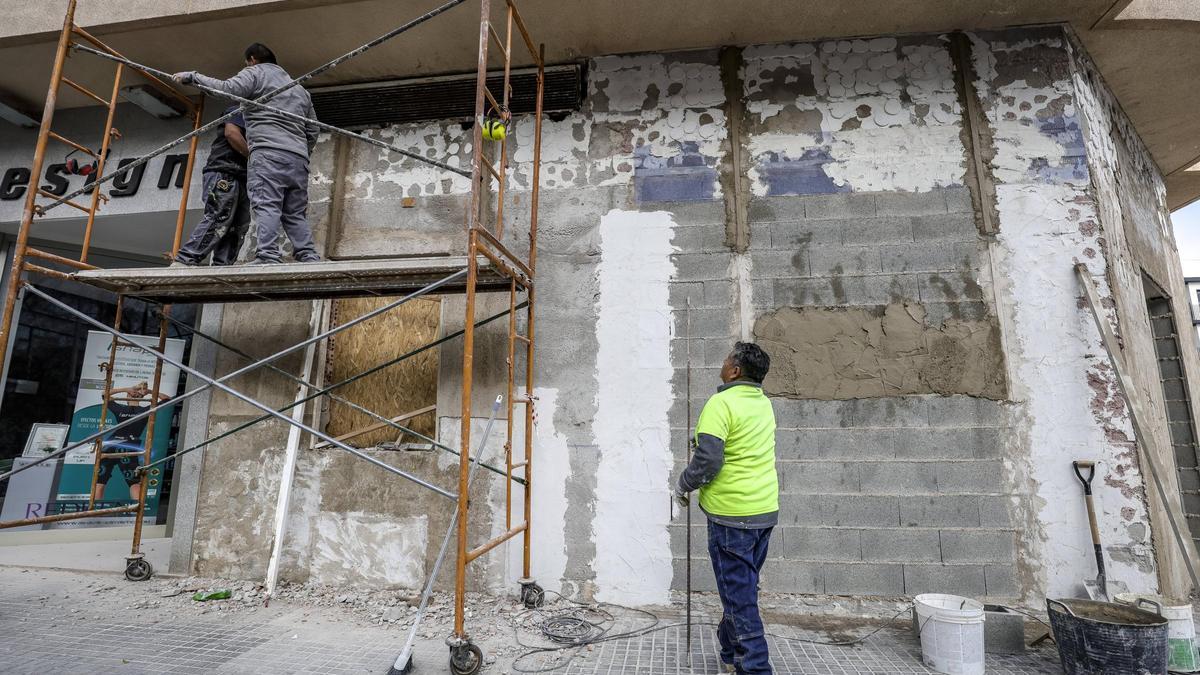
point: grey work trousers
(226, 219)
(278, 185)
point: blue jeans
(737, 558)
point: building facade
(896, 218)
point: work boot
(309, 259)
(728, 667)
(181, 263)
(261, 261)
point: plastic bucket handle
(1157, 607)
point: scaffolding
(488, 266)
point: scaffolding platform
(293, 281)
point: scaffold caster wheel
(532, 595)
(465, 659)
(138, 569)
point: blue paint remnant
(1071, 165)
(803, 176)
(687, 177)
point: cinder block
(963, 411)
(689, 238)
(910, 203)
(718, 293)
(976, 477)
(978, 546)
(944, 227)
(760, 235)
(762, 294)
(951, 287)
(704, 323)
(793, 413)
(906, 411)
(854, 443)
(940, 511)
(965, 580)
(958, 200)
(791, 576)
(779, 264)
(679, 536)
(816, 543)
(772, 209)
(839, 510)
(900, 545)
(795, 444)
(1001, 581)
(864, 579)
(843, 260)
(897, 477)
(840, 205)
(819, 477)
(938, 313)
(681, 292)
(700, 266)
(994, 511)
(881, 230)
(793, 235)
(702, 573)
(840, 291)
(1189, 480)
(925, 258)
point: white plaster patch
(633, 369)
(887, 117)
(444, 143)
(369, 549)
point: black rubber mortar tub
(1103, 638)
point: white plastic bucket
(951, 633)
(1182, 653)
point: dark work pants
(737, 558)
(226, 219)
(279, 197)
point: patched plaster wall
(932, 383)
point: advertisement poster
(133, 378)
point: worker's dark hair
(751, 358)
(261, 53)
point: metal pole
(527, 537)
(240, 396)
(108, 383)
(187, 180)
(101, 161)
(241, 371)
(35, 172)
(402, 661)
(460, 571)
(687, 457)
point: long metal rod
(494, 542)
(687, 457)
(262, 99)
(248, 103)
(402, 660)
(529, 332)
(39, 158)
(109, 370)
(78, 515)
(240, 396)
(382, 421)
(241, 371)
(105, 141)
(468, 362)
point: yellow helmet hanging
(494, 129)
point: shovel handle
(1087, 482)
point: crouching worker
(733, 467)
(226, 206)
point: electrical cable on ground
(580, 625)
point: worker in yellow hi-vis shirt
(733, 466)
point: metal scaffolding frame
(486, 263)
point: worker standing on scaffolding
(226, 206)
(279, 152)
(733, 466)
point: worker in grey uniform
(279, 152)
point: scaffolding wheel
(532, 595)
(138, 569)
(466, 658)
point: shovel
(1097, 589)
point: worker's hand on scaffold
(185, 77)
